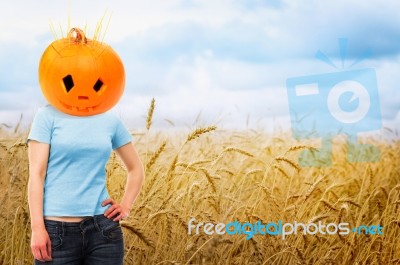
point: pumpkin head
(81, 77)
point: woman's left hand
(116, 209)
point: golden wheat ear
(149, 119)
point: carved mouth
(80, 109)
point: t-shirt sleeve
(42, 127)
(121, 136)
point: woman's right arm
(38, 154)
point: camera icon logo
(325, 105)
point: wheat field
(218, 175)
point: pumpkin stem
(77, 35)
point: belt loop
(62, 229)
(96, 223)
(81, 225)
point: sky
(223, 62)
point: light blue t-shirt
(75, 183)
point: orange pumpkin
(81, 77)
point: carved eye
(68, 82)
(98, 85)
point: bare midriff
(70, 219)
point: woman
(73, 219)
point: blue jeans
(93, 241)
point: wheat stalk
(139, 233)
(150, 112)
(299, 147)
(240, 151)
(312, 188)
(198, 132)
(328, 205)
(155, 156)
(350, 202)
(226, 171)
(301, 256)
(281, 170)
(290, 162)
(319, 218)
(209, 179)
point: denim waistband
(87, 223)
(89, 218)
